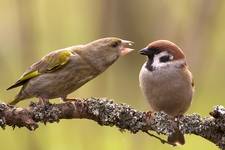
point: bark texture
(105, 112)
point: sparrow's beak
(124, 48)
(144, 51)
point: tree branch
(106, 112)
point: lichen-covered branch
(107, 113)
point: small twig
(161, 140)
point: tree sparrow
(166, 81)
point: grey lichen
(45, 113)
(3, 107)
(105, 112)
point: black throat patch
(149, 63)
(151, 55)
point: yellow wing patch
(24, 78)
(29, 75)
(49, 63)
(57, 60)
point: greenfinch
(63, 71)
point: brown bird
(166, 81)
(61, 72)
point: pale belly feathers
(169, 90)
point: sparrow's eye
(115, 44)
(164, 58)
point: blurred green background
(31, 28)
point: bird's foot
(177, 118)
(149, 113)
(42, 101)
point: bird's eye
(115, 44)
(165, 58)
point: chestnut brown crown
(159, 46)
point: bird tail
(176, 138)
(18, 98)
(14, 102)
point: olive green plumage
(61, 72)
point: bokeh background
(31, 28)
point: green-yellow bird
(61, 72)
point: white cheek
(156, 60)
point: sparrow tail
(176, 138)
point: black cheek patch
(164, 59)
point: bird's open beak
(143, 51)
(124, 48)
